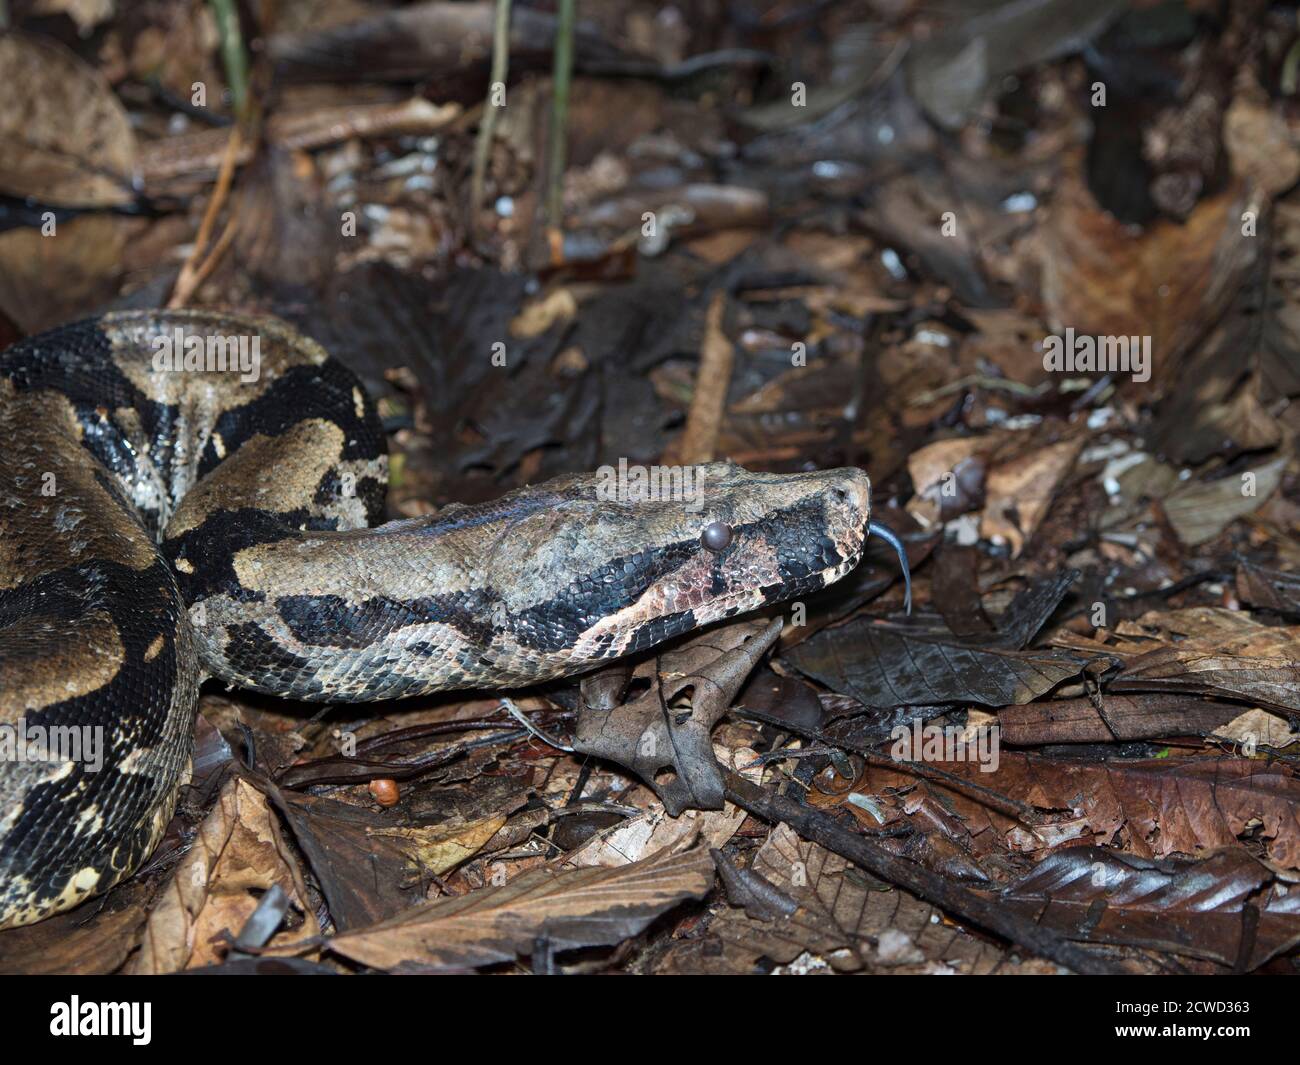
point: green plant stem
(233, 54)
(560, 113)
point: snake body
(164, 519)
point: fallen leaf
(663, 734)
(237, 854)
(65, 139)
(1018, 492)
(1194, 908)
(569, 908)
(1200, 511)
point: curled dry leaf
(1019, 492)
(64, 137)
(238, 851)
(663, 735)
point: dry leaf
(237, 855)
(1199, 512)
(570, 909)
(64, 137)
(1018, 493)
(849, 921)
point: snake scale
(163, 521)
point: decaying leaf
(371, 865)
(663, 734)
(848, 920)
(1196, 908)
(1152, 807)
(1257, 666)
(885, 667)
(237, 854)
(568, 909)
(655, 830)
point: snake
(199, 494)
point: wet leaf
(1195, 908)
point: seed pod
(385, 792)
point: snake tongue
(890, 537)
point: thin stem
(560, 113)
(232, 53)
(487, 126)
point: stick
(487, 126)
(699, 440)
(817, 827)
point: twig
(196, 268)
(518, 715)
(818, 828)
(562, 75)
(488, 124)
(699, 440)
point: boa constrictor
(163, 520)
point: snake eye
(716, 535)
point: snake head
(617, 562)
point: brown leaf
(570, 909)
(1199, 512)
(1257, 666)
(1099, 276)
(238, 852)
(83, 253)
(663, 735)
(64, 137)
(370, 865)
(1138, 717)
(1151, 807)
(87, 940)
(1193, 908)
(847, 919)
(1018, 492)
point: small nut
(385, 792)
